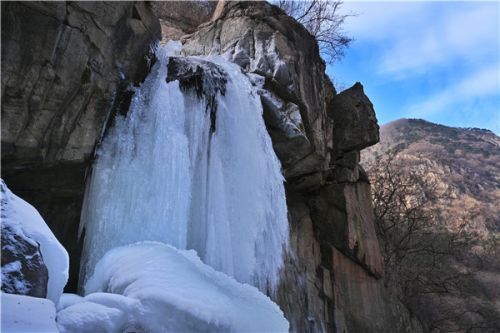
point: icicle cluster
(196, 171)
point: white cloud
(412, 38)
(481, 84)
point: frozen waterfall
(191, 165)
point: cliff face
(296, 91)
(65, 68)
(331, 280)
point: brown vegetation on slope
(435, 190)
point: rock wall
(65, 68)
(60, 83)
(331, 280)
(281, 54)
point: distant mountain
(464, 164)
(465, 161)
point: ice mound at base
(24, 219)
(27, 314)
(153, 287)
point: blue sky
(438, 61)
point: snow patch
(27, 314)
(67, 300)
(24, 219)
(157, 288)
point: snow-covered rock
(27, 314)
(23, 269)
(153, 287)
(25, 234)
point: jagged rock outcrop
(331, 281)
(283, 56)
(355, 121)
(65, 68)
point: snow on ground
(27, 314)
(157, 288)
(21, 216)
(67, 300)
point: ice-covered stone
(31, 250)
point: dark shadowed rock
(65, 69)
(61, 65)
(23, 269)
(355, 123)
(304, 293)
(284, 124)
(203, 78)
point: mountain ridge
(461, 160)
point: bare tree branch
(322, 18)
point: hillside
(463, 161)
(438, 189)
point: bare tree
(322, 18)
(431, 267)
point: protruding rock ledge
(355, 123)
(204, 78)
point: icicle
(192, 165)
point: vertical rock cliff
(60, 85)
(331, 281)
(65, 68)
